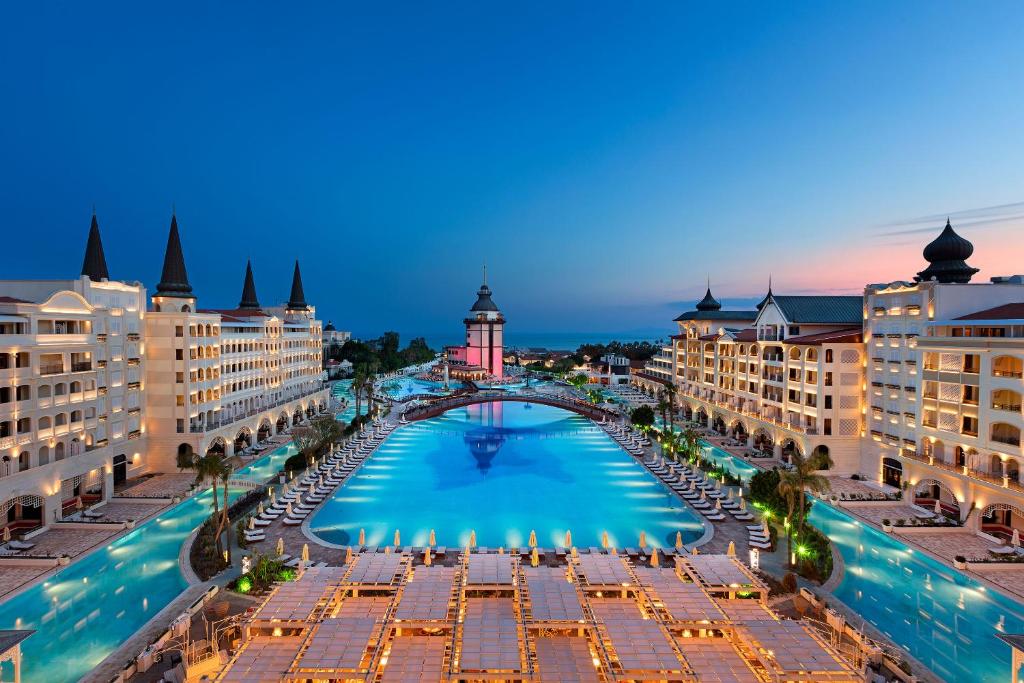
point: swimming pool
(86, 611)
(735, 466)
(404, 387)
(504, 469)
(945, 619)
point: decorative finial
(485, 273)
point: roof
(717, 315)
(297, 299)
(174, 277)
(484, 302)
(249, 300)
(13, 300)
(853, 335)
(11, 637)
(947, 258)
(235, 314)
(94, 265)
(1004, 312)
(821, 309)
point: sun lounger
(255, 538)
(92, 514)
(762, 546)
(294, 562)
(21, 545)
(261, 522)
(1002, 550)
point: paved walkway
(160, 486)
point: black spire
(174, 279)
(95, 264)
(249, 301)
(768, 296)
(709, 303)
(947, 258)
(297, 300)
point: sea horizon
(552, 341)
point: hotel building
(917, 384)
(785, 376)
(95, 389)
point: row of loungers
(295, 505)
(627, 438)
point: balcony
(1009, 407)
(963, 471)
(132, 386)
(81, 367)
(134, 434)
(51, 369)
(1008, 439)
(133, 336)
(133, 362)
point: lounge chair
(21, 545)
(255, 538)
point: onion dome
(329, 327)
(484, 303)
(947, 258)
(709, 303)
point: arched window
(794, 353)
(1006, 399)
(60, 419)
(828, 355)
(812, 354)
(76, 415)
(44, 391)
(1006, 433)
(24, 461)
(58, 451)
(76, 387)
(45, 422)
(1007, 366)
(44, 455)
(60, 389)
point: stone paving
(160, 486)
(842, 484)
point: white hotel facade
(95, 389)
(916, 384)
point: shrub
(789, 582)
(642, 416)
(764, 491)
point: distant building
(334, 338)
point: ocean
(553, 341)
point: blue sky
(602, 158)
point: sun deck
(488, 617)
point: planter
(129, 524)
(63, 560)
(887, 528)
(962, 566)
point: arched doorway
(120, 469)
(185, 456)
(789, 448)
(821, 453)
(217, 448)
(763, 441)
(928, 491)
(243, 439)
(282, 423)
(263, 432)
(892, 472)
(739, 432)
(297, 416)
(1001, 519)
(22, 514)
(718, 424)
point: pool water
(733, 465)
(504, 469)
(946, 620)
(87, 610)
(404, 387)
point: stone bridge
(436, 407)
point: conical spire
(768, 296)
(297, 300)
(95, 264)
(947, 258)
(174, 279)
(249, 301)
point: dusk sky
(602, 158)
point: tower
(484, 333)
(173, 292)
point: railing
(1007, 439)
(81, 367)
(51, 369)
(964, 471)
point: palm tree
(224, 474)
(669, 393)
(358, 384)
(208, 467)
(691, 444)
(787, 488)
(804, 478)
(663, 409)
(671, 444)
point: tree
(642, 417)
(212, 468)
(691, 445)
(671, 444)
(669, 394)
(798, 481)
(578, 381)
(311, 439)
(663, 409)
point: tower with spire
(94, 265)
(249, 302)
(485, 327)
(173, 292)
(947, 258)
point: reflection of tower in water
(486, 437)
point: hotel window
(828, 379)
(181, 426)
(179, 400)
(828, 355)
(179, 354)
(827, 427)
(828, 401)
(179, 331)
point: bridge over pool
(435, 407)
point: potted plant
(887, 525)
(960, 562)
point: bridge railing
(439, 406)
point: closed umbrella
(472, 539)
(305, 553)
(348, 554)
(764, 527)
(533, 539)
(433, 541)
(362, 537)
(643, 539)
(252, 523)
(535, 558)
(679, 540)
(694, 551)
(604, 539)
(743, 503)
(259, 509)
(938, 508)
(273, 500)
(426, 556)
(718, 504)
(568, 539)
(398, 539)
(7, 534)
(288, 509)
(280, 546)
(731, 552)
(654, 558)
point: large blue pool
(87, 610)
(504, 469)
(945, 619)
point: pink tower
(484, 331)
